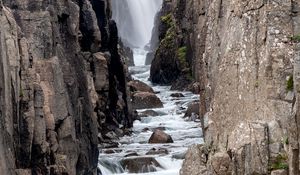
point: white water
(135, 19)
(184, 133)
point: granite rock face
(247, 59)
(62, 83)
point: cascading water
(135, 19)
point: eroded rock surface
(246, 55)
(62, 83)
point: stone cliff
(244, 54)
(173, 60)
(62, 85)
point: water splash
(135, 20)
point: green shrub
(167, 19)
(295, 38)
(280, 162)
(181, 54)
(290, 83)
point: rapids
(140, 15)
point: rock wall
(247, 62)
(175, 61)
(62, 85)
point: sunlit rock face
(249, 76)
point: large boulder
(137, 85)
(158, 136)
(193, 107)
(140, 164)
(145, 100)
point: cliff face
(62, 85)
(175, 61)
(246, 55)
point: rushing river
(135, 19)
(184, 133)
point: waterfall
(135, 20)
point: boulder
(145, 100)
(148, 113)
(140, 164)
(193, 107)
(159, 136)
(177, 95)
(131, 154)
(155, 151)
(136, 85)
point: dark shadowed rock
(144, 100)
(148, 113)
(132, 154)
(140, 164)
(137, 85)
(177, 95)
(155, 151)
(159, 136)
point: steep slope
(174, 61)
(62, 85)
(248, 73)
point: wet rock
(144, 100)
(193, 107)
(179, 155)
(145, 130)
(148, 113)
(109, 145)
(111, 135)
(158, 136)
(155, 151)
(162, 128)
(137, 85)
(132, 154)
(177, 95)
(140, 164)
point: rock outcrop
(62, 84)
(248, 63)
(173, 63)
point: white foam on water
(184, 133)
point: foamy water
(184, 133)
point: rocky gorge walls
(62, 85)
(174, 54)
(247, 61)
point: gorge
(86, 86)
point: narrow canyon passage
(134, 154)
